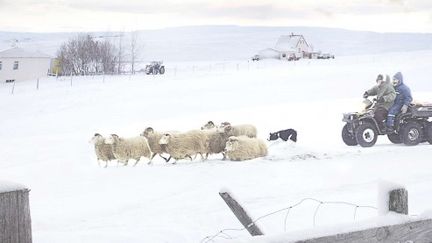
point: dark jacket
(403, 93)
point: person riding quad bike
(385, 96)
(410, 128)
(401, 103)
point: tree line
(85, 54)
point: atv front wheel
(348, 138)
(366, 135)
(394, 138)
(412, 133)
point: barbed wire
(224, 235)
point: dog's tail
(293, 136)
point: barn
(288, 47)
(17, 64)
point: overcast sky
(127, 15)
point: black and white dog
(290, 134)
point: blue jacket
(403, 93)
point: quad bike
(411, 128)
(155, 68)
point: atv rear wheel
(394, 138)
(366, 135)
(162, 70)
(348, 138)
(412, 134)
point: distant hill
(234, 42)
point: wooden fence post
(13, 87)
(241, 214)
(15, 221)
(398, 201)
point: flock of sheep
(237, 142)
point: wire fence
(224, 235)
(172, 70)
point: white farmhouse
(17, 64)
(288, 47)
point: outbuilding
(17, 64)
(288, 47)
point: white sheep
(103, 151)
(185, 145)
(245, 148)
(216, 143)
(153, 139)
(125, 149)
(238, 130)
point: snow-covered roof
(19, 52)
(288, 42)
(7, 186)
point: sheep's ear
(114, 135)
(210, 123)
(97, 135)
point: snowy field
(45, 133)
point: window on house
(15, 66)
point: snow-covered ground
(45, 133)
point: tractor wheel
(348, 138)
(366, 135)
(429, 132)
(394, 138)
(412, 133)
(162, 70)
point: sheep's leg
(166, 160)
(188, 156)
(202, 157)
(126, 162)
(106, 164)
(196, 155)
(224, 156)
(137, 160)
(98, 160)
(207, 155)
(153, 155)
